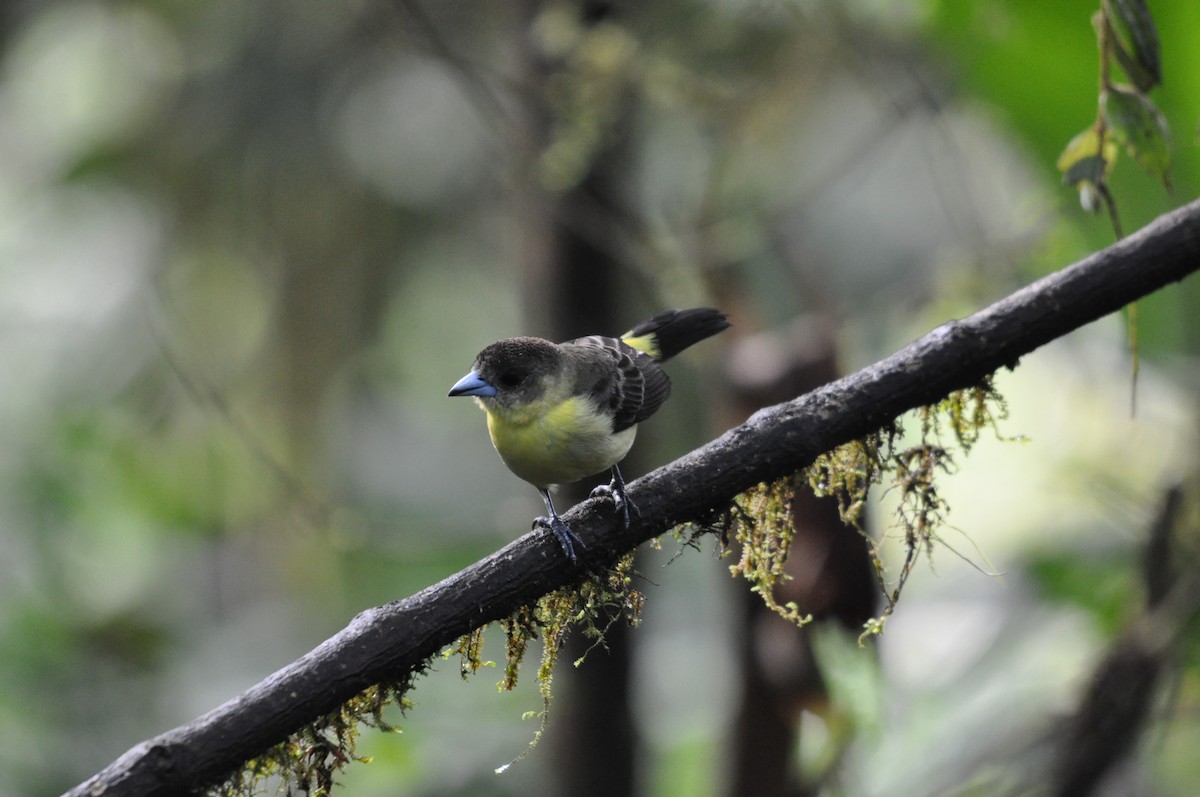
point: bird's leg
(616, 491)
(562, 532)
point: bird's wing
(625, 382)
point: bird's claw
(616, 493)
(562, 532)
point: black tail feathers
(672, 331)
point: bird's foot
(616, 492)
(562, 532)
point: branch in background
(391, 642)
(1113, 712)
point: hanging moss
(591, 607)
(764, 531)
(761, 517)
(308, 760)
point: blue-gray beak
(473, 385)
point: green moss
(591, 607)
(761, 518)
(763, 528)
(468, 648)
(308, 760)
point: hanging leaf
(1085, 164)
(1135, 41)
(1137, 72)
(1087, 158)
(1090, 169)
(1138, 125)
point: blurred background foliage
(246, 247)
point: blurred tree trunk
(596, 738)
(830, 576)
(571, 287)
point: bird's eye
(510, 379)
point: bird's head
(510, 373)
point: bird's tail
(672, 331)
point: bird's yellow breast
(557, 443)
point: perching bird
(560, 412)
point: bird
(560, 412)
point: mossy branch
(388, 644)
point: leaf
(1140, 127)
(1135, 40)
(1083, 166)
(1086, 158)
(1086, 170)
(1086, 163)
(1141, 77)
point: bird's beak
(473, 385)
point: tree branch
(389, 642)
